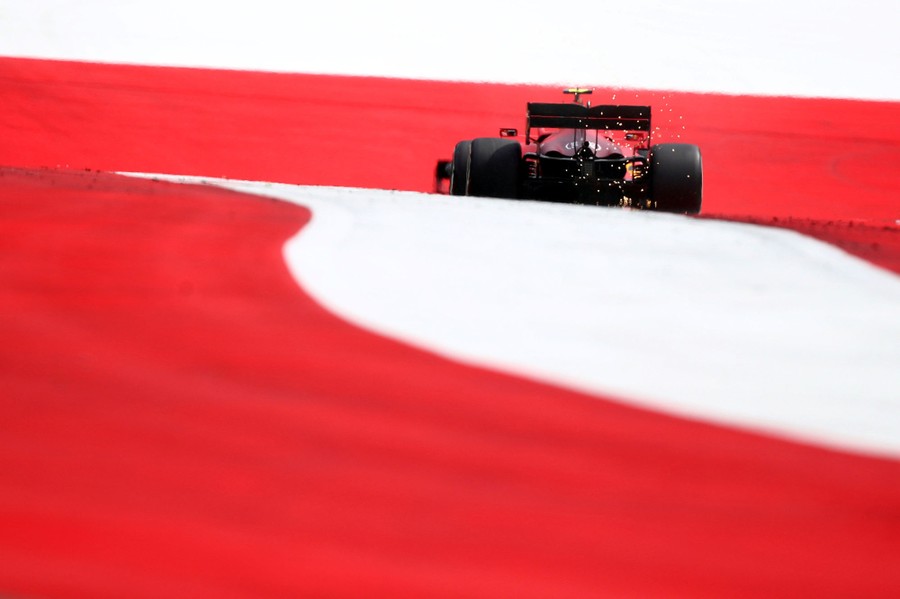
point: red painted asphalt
(179, 419)
(816, 165)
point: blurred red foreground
(179, 419)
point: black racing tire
(459, 172)
(676, 178)
(494, 168)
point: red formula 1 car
(575, 152)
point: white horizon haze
(836, 48)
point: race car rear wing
(579, 116)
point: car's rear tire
(494, 167)
(676, 178)
(459, 173)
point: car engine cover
(567, 142)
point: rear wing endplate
(578, 116)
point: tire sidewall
(676, 178)
(494, 168)
(459, 174)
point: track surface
(813, 165)
(181, 420)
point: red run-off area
(179, 419)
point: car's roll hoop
(578, 92)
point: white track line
(738, 324)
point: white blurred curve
(755, 327)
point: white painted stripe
(737, 324)
(839, 48)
